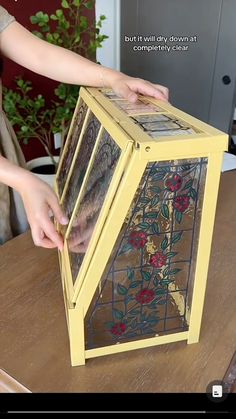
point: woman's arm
(57, 63)
(39, 200)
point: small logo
(217, 391)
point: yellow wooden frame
(137, 151)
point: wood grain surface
(34, 345)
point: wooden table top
(34, 344)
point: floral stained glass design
(94, 195)
(82, 159)
(146, 289)
(71, 146)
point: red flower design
(118, 329)
(145, 296)
(174, 183)
(158, 260)
(181, 203)
(138, 239)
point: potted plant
(30, 116)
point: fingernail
(64, 220)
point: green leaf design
(178, 216)
(146, 275)
(188, 184)
(133, 325)
(193, 194)
(155, 282)
(162, 302)
(159, 175)
(130, 274)
(135, 284)
(171, 254)
(65, 4)
(144, 200)
(143, 226)
(155, 189)
(126, 248)
(151, 215)
(174, 271)
(155, 228)
(165, 211)
(134, 312)
(166, 272)
(160, 292)
(177, 237)
(155, 201)
(117, 314)
(109, 325)
(164, 243)
(122, 290)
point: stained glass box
(139, 184)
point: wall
(22, 10)
(109, 54)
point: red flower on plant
(181, 203)
(174, 183)
(118, 329)
(138, 239)
(145, 296)
(158, 260)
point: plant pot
(43, 168)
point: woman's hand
(40, 203)
(129, 88)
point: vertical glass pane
(81, 163)
(93, 197)
(71, 146)
(146, 289)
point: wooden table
(34, 345)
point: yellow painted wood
(138, 149)
(130, 346)
(204, 246)
(76, 334)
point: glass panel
(146, 289)
(94, 194)
(80, 167)
(164, 125)
(71, 146)
(138, 107)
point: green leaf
(177, 237)
(162, 302)
(59, 13)
(126, 248)
(193, 194)
(144, 200)
(151, 215)
(134, 323)
(178, 216)
(188, 184)
(166, 272)
(160, 292)
(65, 4)
(174, 271)
(135, 284)
(109, 325)
(134, 312)
(155, 228)
(144, 226)
(117, 314)
(159, 175)
(155, 282)
(171, 254)
(130, 274)
(156, 189)
(122, 290)
(146, 275)
(155, 201)
(164, 243)
(77, 3)
(165, 211)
